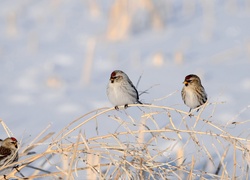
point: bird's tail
(139, 102)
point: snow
(45, 45)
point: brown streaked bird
(193, 93)
(121, 91)
(8, 154)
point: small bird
(193, 93)
(121, 91)
(8, 154)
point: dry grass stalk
(123, 13)
(134, 148)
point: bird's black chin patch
(112, 80)
(186, 85)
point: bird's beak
(15, 144)
(112, 79)
(185, 82)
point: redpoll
(193, 93)
(121, 91)
(8, 154)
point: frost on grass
(143, 142)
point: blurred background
(56, 56)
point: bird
(8, 154)
(121, 91)
(193, 93)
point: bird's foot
(116, 108)
(125, 106)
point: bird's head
(117, 76)
(192, 79)
(10, 143)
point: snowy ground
(45, 46)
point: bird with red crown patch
(193, 93)
(121, 91)
(8, 154)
